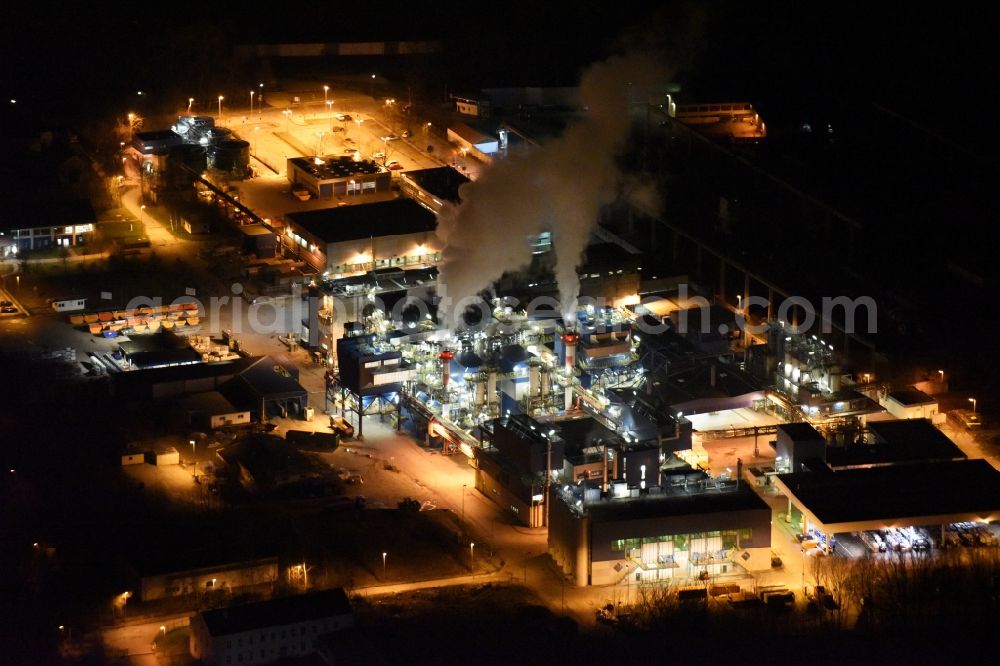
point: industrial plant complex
(368, 348)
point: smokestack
(446, 357)
(569, 343)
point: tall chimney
(446, 357)
(569, 346)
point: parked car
(8, 309)
(379, 155)
(336, 128)
(407, 134)
(390, 137)
(355, 479)
(395, 166)
(341, 116)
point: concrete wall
(233, 576)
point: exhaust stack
(569, 347)
(446, 357)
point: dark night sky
(780, 55)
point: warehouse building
(267, 631)
(693, 528)
(337, 176)
(398, 233)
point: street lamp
(472, 556)
(255, 129)
(163, 629)
(260, 100)
(326, 93)
(973, 401)
(251, 102)
(193, 454)
(142, 211)
(190, 102)
(220, 107)
(288, 114)
(941, 372)
(373, 87)
(383, 564)
(319, 146)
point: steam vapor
(559, 187)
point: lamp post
(190, 102)
(329, 109)
(326, 93)
(193, 454)
(941, 372)
(383, 563)
(973, 401)
(288, 114)
(472, 557)
(142, 212)
(373, 87)
(251, 102)
(319, 142)
(163, 630)
(220, 107)
(255, 130)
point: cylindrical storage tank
(480, 398)
(546, 381)
(534, 378)
(231, 156)
(491, 386)
(834, 377)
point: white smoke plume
(559, 187)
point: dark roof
(584, 432)
(125, 380)
(911, 396)
(441, 182)
(711, 501)
(33, 206)
(159, 358)
(271, 378)
(332, 168)
(277, 612)
(894, 493)
(896, 442)
(383, 218)
(800, 431)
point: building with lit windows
(398, 233)
(42, 223)
(689, 528)
(266, 631)
(337, 176)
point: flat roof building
(326, 177)
(705, 528)
(354, 239)
(433, 187)
(266, 631)
(873, 498)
